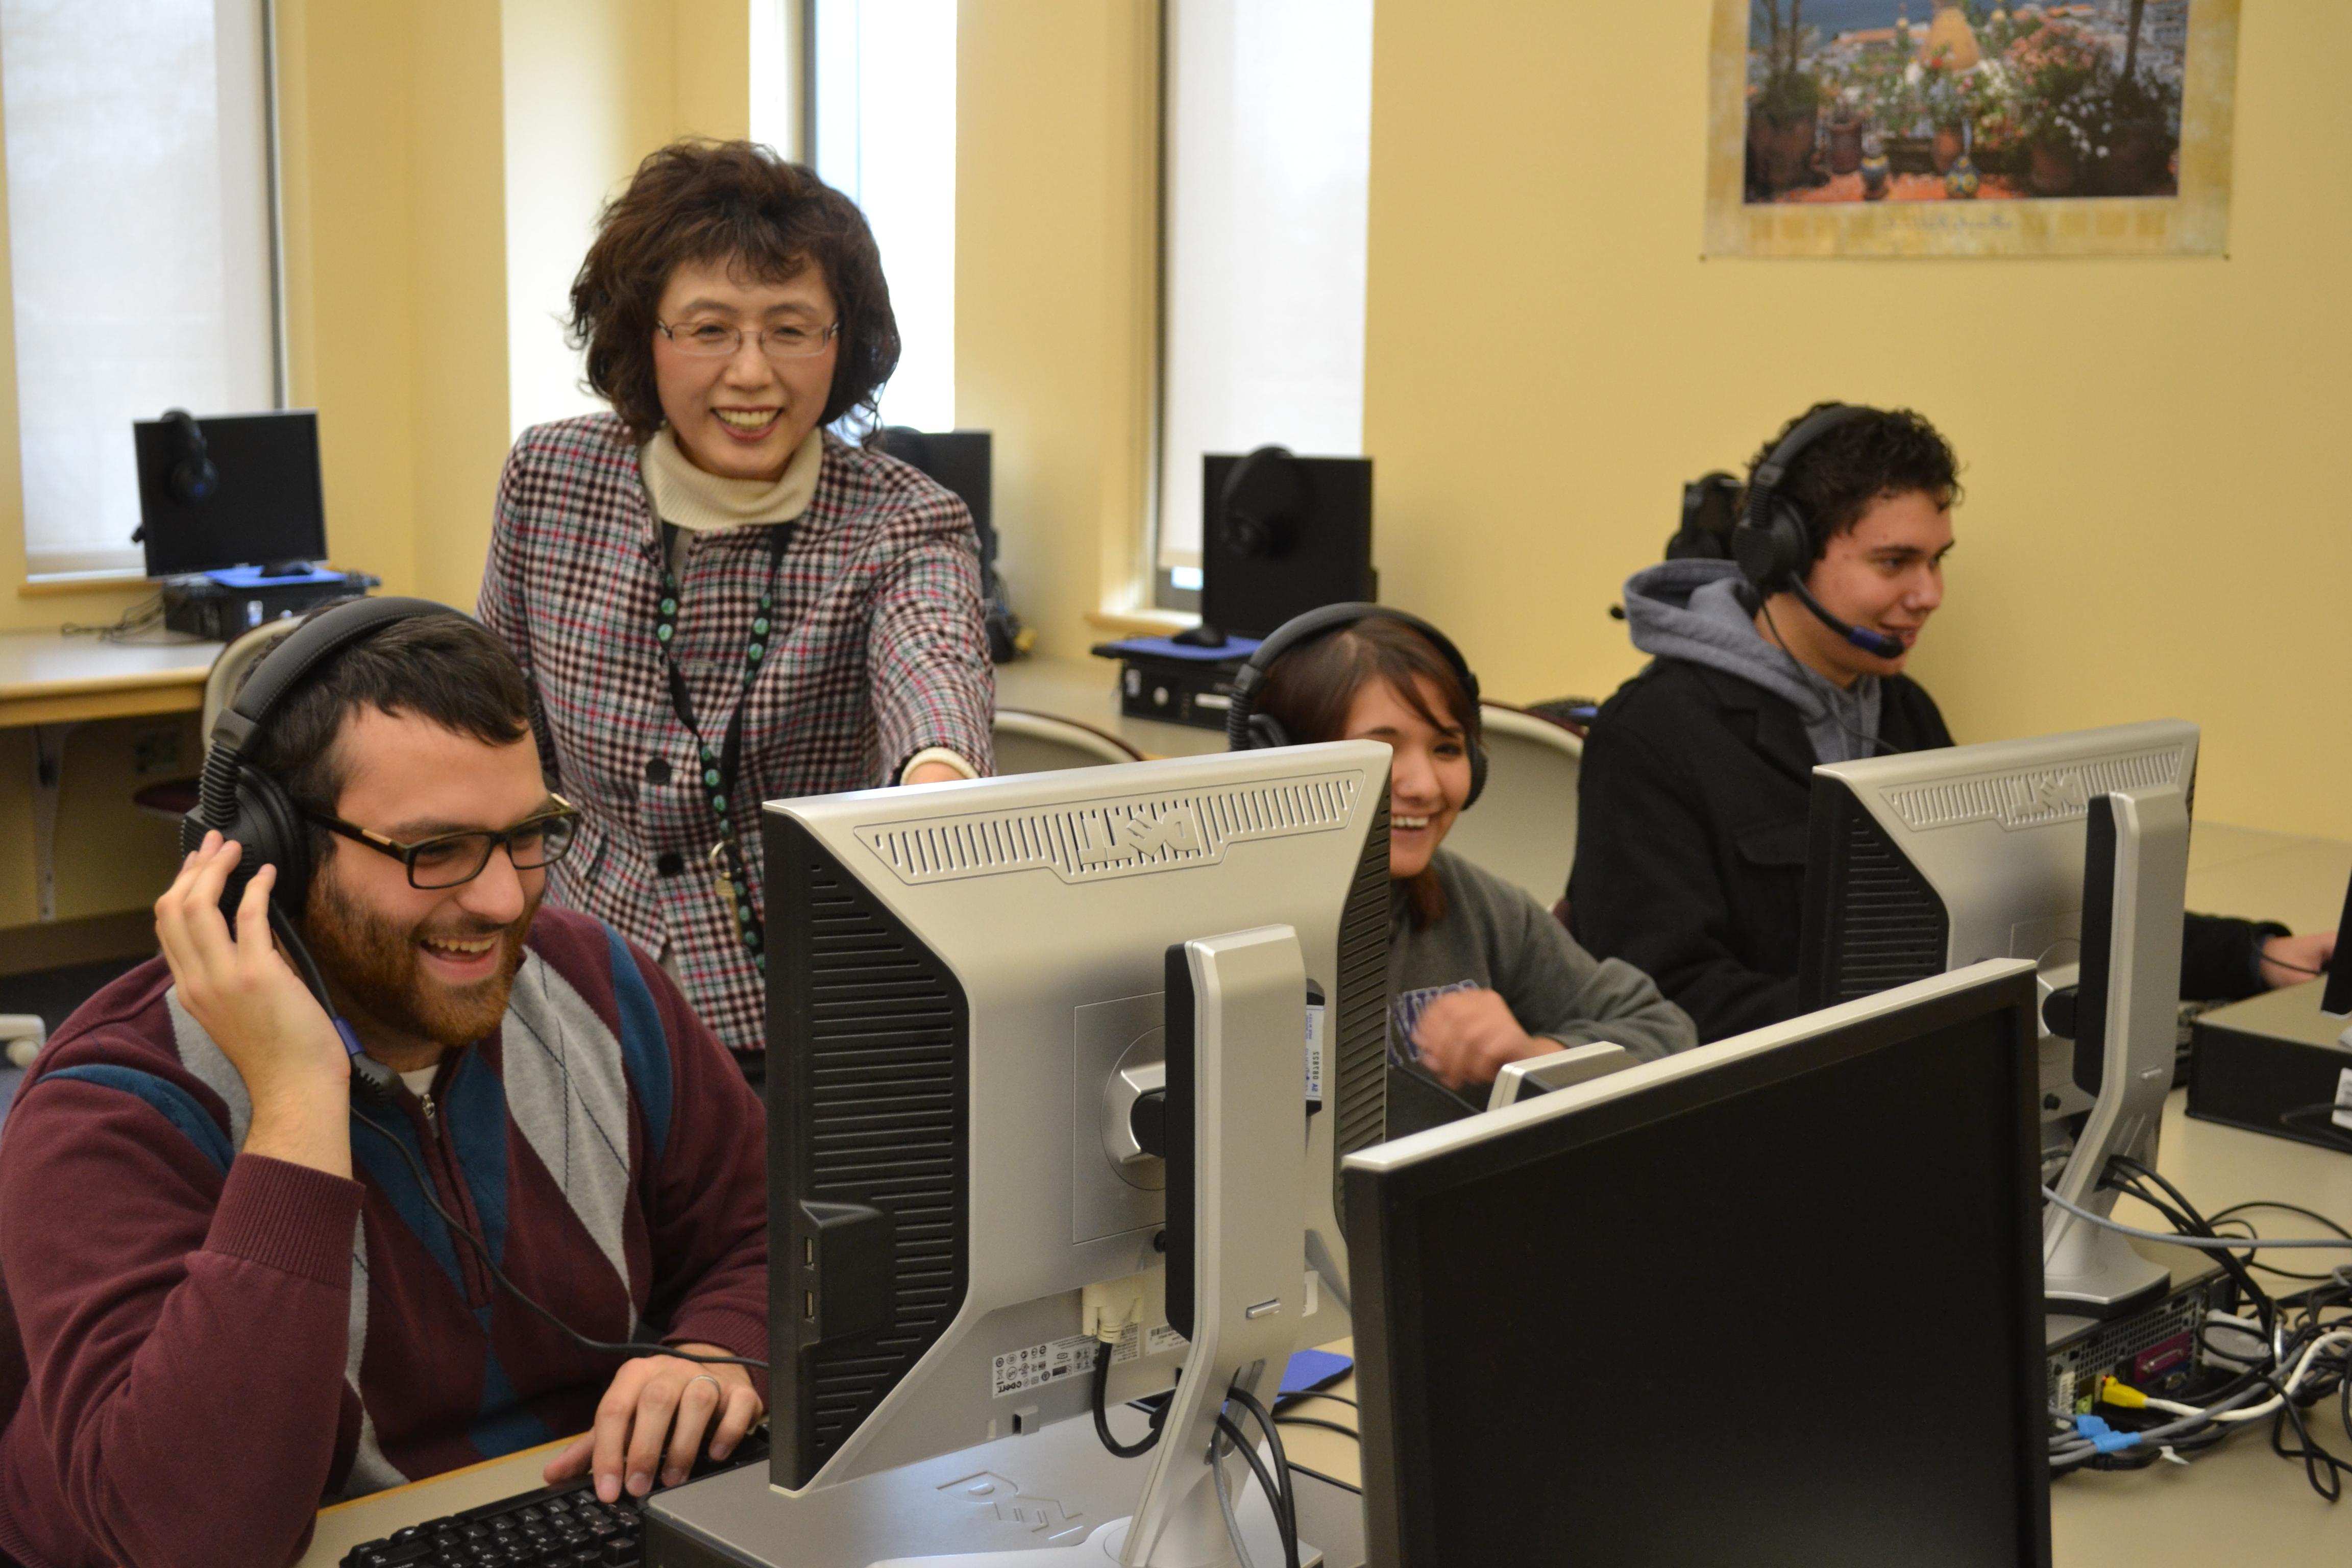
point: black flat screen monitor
(1290, 534)
(1777, 1300)
(266, 506)
(958, 461)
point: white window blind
(884, 83)
(139, 247)
(1268, 165)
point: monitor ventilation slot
(1117, 837)
(2031, 797)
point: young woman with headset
(1479, 974)
(717, 599)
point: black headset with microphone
(1246, 729)
(247, 804)
(1774, 540)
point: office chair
(1029, 743)
(174, 798)
(1523, 828)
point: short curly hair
(1882, 452)
(735, 203)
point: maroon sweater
(216, 1343)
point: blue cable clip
(2103, 1438)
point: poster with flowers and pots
(1970, 128)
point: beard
(376, 964)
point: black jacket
(1692, 809)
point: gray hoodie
(1691, 610)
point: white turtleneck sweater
(698, 501)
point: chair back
(1523, 828)
(1029, 743)
(235, 663)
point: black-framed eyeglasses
(453, 860)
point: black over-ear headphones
(1249, 730)
(193, 480)
(1262, 493)
(1775, 537)
(249, 807)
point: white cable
(2268, 1406)
(2203, 1243)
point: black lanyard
(717, 770)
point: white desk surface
(42, 663)
(2233, 1503)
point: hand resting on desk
(653, 1398)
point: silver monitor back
(1929, 862)
(957, 975)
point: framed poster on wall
(1964, 128)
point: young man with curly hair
(1695, 789)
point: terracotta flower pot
(2138, 163)
(1949, 147)
(2053, 169)
(1782, 152)
(1845, 146)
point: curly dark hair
(1309, 690)
(739, 204)
(1885, 452)
(447, 668)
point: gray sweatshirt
(1496, 936)
(1691, 610)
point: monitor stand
(1057, 1498)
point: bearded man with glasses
(232, 1301)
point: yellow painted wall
(1056, 268)
(2155, 524)
(398, 151)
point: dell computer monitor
(263, 504)
(968, 983)
(1668, 1316)
(1926, 861)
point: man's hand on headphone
(256, 1009)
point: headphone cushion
(269, 831)
(1265, 732)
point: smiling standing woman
(717, 600)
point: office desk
(47, 677)
(51, 682)
(2233, 1503)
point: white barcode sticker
(1315, 1055)
(2342, 1115)
(1135, 1342)
(1040, 1364)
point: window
(140, 242)
(1267, 144)
(880, 128)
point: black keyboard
(554, 1527)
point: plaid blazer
(878, 652)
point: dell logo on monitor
(1135, 837)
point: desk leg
(48, 766)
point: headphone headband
(1766, 481)
(226, 792)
